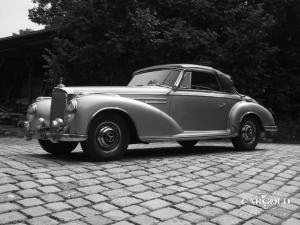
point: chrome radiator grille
(58, 104)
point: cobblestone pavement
(153, 184)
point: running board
(190, 135)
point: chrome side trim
(190, 135)
(270, 128)
(150, 100)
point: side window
(186, 81)
(204, 81)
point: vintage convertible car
(178, 102)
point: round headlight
(71, 106)
(70, 111)
(31, 111)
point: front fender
(148, 120)
(43, 111)
(242, 109)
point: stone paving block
(77, 202)
(210, 198)
(27, 193)
(193, 217)
(291, 221)
(11, 217)
(43, 220)
(144, 220)
(175, 221)
(165, 213)
(104, 207)
(58, 206)
(116, 215)
(137, 188)
(28, 184)
(210, 211)
(155, 204)
(117, 193)
(173, 198)
(30, 202)
(51, 198)
(86, 211)
(147, 195)
(36, 211)
(136, 209)
(224, 205)
(8, 188)
(241, 214)
(255, 222)
(71, 194)
(66, 216)
(92, 189)
(280, 212)
(252, 209)
(95, 198)
(226, 220)
(198, 202)
(49, 189)
(125, 201)
(269, 218)
(8, 206)
(75, 222)
(113, 185)
(123, 223)
(185, 207)
(131, 181)
(289, 189)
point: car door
(198, 103)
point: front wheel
(248, 136)
(108, 138)
(187, 144)
(60, 148)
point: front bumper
(54, 137)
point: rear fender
(242, 109)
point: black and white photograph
(145, 112)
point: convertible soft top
(224, 79)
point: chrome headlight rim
(71, 106)
(70, 110)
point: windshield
(155, 78)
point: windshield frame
(175, 83)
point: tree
(103, 41)
(25, 31)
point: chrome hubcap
(108, 136)
(249, 132)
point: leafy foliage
(101, 42)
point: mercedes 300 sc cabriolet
(182, 103)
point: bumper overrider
(46, 134)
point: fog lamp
(57, 124)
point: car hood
(122, 90)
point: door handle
(222, 105)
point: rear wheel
(108, 138)
(60, 148)
(187, 144)
(248, 136)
